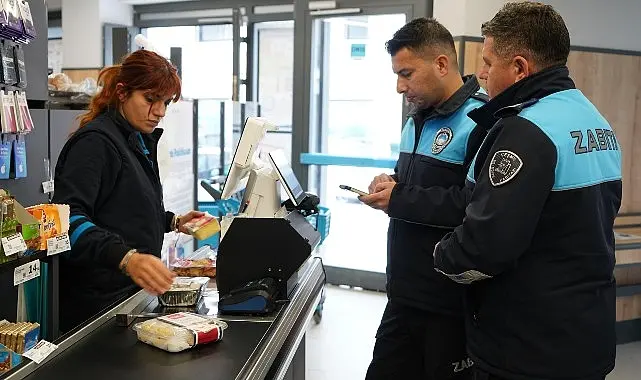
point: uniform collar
(128, 131)
(451, 105)
(523, 93)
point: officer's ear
(521, 67)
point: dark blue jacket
(108, 174)
(537, 241)
(437, 146)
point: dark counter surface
(120, 356)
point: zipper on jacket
(418, 131)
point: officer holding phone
(422, 332)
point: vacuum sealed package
(23, 116)
(26, 20)
(180, 331)
(21, 70)
(8, 113)
(185, 291)
(203, 227)
(9, 76)
(202, 263)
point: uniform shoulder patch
(505, 165)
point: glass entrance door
(357, 128)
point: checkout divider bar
(307, 292)
(128, 305)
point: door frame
(316, 111)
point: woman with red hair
(108, 174)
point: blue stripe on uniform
(79, 231)
(75, 218)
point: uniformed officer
(422, 335)
(537, 244)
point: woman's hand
(150, 273)
(186, 218)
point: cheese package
(203, 227)
(180, 331)
(185, 291)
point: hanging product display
(11, 20)
(9, 76)
(26, 19)
(23, 116)
(19, 157)
(21, 70)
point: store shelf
(11, 265)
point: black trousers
(415, 344)
(479, 374)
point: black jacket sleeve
(433, 206)
(504, 210)
(85, 174)
(169, 217)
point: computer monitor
(287, 178)
(246, 155)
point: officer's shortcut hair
(530, 29)
(423, 34)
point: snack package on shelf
(180, 331)
(203, 227)
(185, 291)
(8, 223)
(54, 221)
(19, 337)
(29, 30)
(202, 263)
(23, 119)
(8, 359)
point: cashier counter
(254, 346)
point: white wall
(610, 24)
(115, 12)
(82, 34)
(53, 5)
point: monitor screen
(287, 177)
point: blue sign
(358, 50)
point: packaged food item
(54, 221)
(180, 331)
(8, 359)
(203, 227)
(195, 267)
(184, 291)
(19, 337)
(8, 223)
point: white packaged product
(180, 331)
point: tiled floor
(340, 347)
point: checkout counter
(260, 347)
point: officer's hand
(381, 196)
(150, 273)
(379, 179)
(186, 218)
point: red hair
(140, 70)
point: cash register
(267, 242)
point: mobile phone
(349, 188)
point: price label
(13, 244)
(40, 351)
(26, 272)
(47, 187)
(58, 244)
